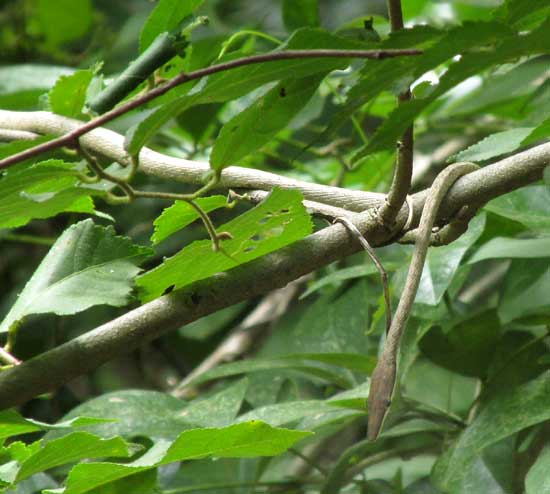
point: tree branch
(79, 356)
(402, 177)
(182, 78)
(111, 145)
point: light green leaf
(88, 265)
(495, 145)
(288, 412)
(13, 424)
(41, 191)
(355, 398)
(509, 248)
(529, 206)
(71, 448)
(299, 13)
(538, 480)
(510, 411)
(181, 214)
(244, 440)
(68, 95)
(166, 16)
(539, 133)
(442, 264)
(279, 220)
(249, 130)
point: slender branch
(67, 139)
(86, 352)
(401, 182)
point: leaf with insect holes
(279, 220)
(88, 265)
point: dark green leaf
(442, 264)
(61, 21)
(525, 290)
(88, 265)
(299, 13)
(166, 16)
(512, 410)
(232, 84)
(464, 347)
(135, 413)
(470, 64)
(279, 220)
(249, 130)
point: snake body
(384, 375)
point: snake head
(380, 393)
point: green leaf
(525, 290)
(21, 85)
(71, 448)
(281, 363)
(288, 412)
(41, 191)
(538, 480)
(166, 16)
(279, 220)
(181, 214)
(539, 133)
(469, 65)
(133, 413)
(88, 265)
(344, 274)
(232, 84)
(510, 248)
(217, 410)
(244, 440)
(68, 95)
(299, 13)
(442, 264)
(249, 130)
(61, 21)
(510, 411)
(463, 347)
(499, 88)
(495, 145)
(529, 206)
(13, 424)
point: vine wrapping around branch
(198, 74)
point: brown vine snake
(384, 375)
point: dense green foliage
(471, 412)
